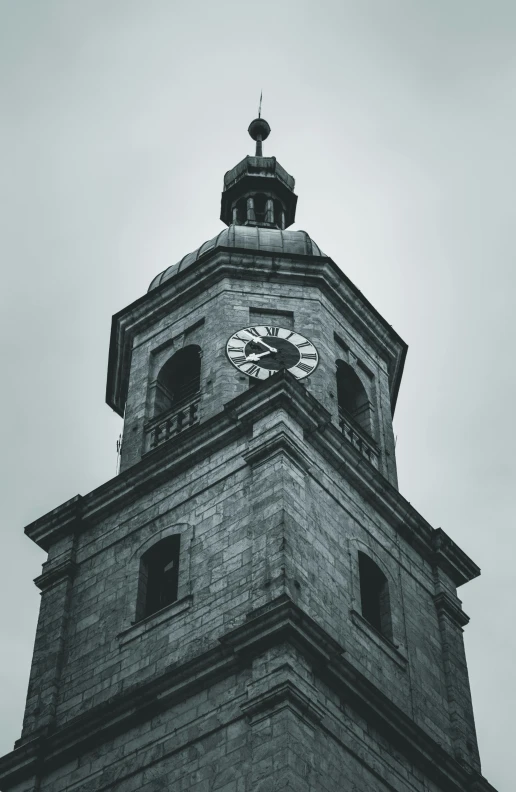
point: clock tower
(250, 605)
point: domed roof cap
(273, 240)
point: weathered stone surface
(264, 674)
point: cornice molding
(61, 521)
(447, 606)
(281, 443)
(65, 570)
(280, 622)
(254, 265)
(285, 694)
(193, 445)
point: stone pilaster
(451, 621)
(55, 583)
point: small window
(374, 596)
(242, 211)
(179, 380)
(278, 214)
(352, 397)
(260, 207)
(159, 570)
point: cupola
(258, 191)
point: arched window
(351, 396)
(279, 217)
(179, 379)
(374, 596)
(159, 568)
(242, 211)
(260, 206)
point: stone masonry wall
(257, 531)
(211, 318)
(224, 740)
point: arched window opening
(158, 583)
(179, 379)
(242, 211)
(279, 218)
(374, 596)
(260, 206)
(352, 397)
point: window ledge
(160, 617)
(394, 651)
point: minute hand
(259, 341)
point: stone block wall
(255, 526)
(209, 319)
(275, 724)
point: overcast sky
(118, 121)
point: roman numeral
(272, 331)
(308, 356)
(252, 331)
(239, 359)
(253, 371)
(234, 349)
(304, 367)
(289, 335)
(305, 343)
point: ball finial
(259, 131)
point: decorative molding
(289, 622)
(278, 623)
(447, 606)
(262, 450)
(62, 521)
(449, 557)
(284, 695)
(282, 391)
(57, 573)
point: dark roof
(250, 237)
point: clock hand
(255, 356)
(259, 341)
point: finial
(260, 107)
(259, 130)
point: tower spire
(260, 106)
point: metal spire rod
(260, 107)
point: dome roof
(273, 240)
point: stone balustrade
(359, 438)
(173, 422)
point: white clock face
(261, 351)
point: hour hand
(254, 356)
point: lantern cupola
(258, 191)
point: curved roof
(273, 240)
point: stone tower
(250, 605)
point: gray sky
(398, 121)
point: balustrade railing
(357, 437)
(172, 423)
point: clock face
(261, 351)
